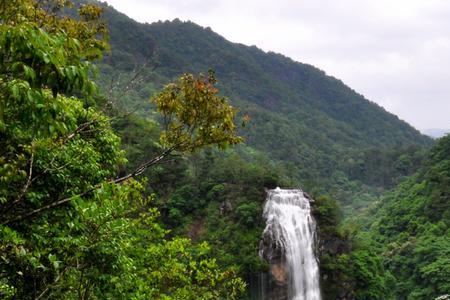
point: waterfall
(288, 244)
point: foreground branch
(138, 171)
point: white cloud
(395, 52)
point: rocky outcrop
(279, 274)
(277, 279)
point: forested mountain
(296, 92)
(311, 122)
(309, 128)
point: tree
(194, 116)
(68, 228)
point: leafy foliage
(194, 116)
(68, 231)
(350, 268)
(412, 226)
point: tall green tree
(70, 228)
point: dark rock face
(276, 283)
(330, 246)
(334, 246)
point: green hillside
(412, 228)
(279, 86)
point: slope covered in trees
(311, 122)
(412, 227)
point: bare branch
(79, 129)
(139, 170)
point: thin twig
(79, 129)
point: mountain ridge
(300, 116)
(174, 35)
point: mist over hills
(436, 132)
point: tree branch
(79, 129)
(138, 171)
(25, 187)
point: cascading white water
(291, 227)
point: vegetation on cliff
(411, 227)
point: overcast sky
(394, 52)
